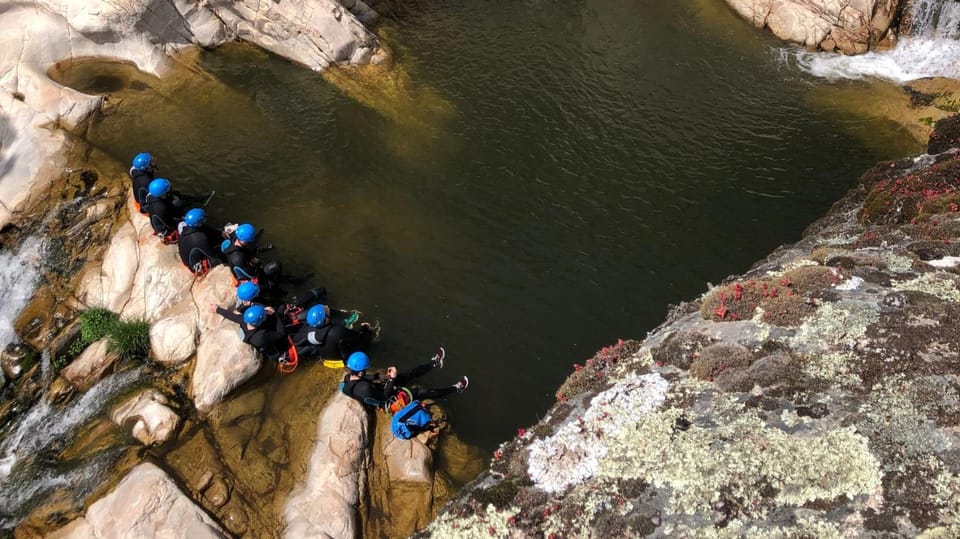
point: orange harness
(170, 238)
(293, 359)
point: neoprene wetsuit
(164, 216)
(376, 392)
(330, 341)
(140, 185)
(269, 337)
(199, 244)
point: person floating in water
(377, 391)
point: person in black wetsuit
(261, 329)
(199, 244)
(376, 392)
(164, 214)
(326, 338)
(294, 311)
(242, 254)
(141, 174)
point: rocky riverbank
(816, 394)
(160, 427)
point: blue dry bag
(411, 421)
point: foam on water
(18, 278)
(43, 428)
(931, 50)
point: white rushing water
(931, 50)
(46, 427)
(19, 272)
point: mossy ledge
(816, 395)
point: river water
(537, 180)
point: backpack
(411, 421)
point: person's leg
(422, 393)
(414, 373)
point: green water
(553, 176)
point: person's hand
(269, 310)
(391, 372)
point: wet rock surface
(818, 394)
(846, 27)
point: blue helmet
(195, 217)
(255, 315)
(246, 233)
(316, 315)
(358, 361)
(142, 161)
(159, 187)
(247, 291)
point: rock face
(147, 503)
(848, 27)
(89, 366)
(37, 34)
(818, 394)
(149, 412)
(141, 278)
(336, 478)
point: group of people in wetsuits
(281, 330)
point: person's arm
(369, 395)
(232, 316)
(391, 378)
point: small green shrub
(126, 338)
(129, 339)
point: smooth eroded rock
(146, 503)
(153, 420)
(336, 476)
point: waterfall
(26, 471)
(19, 273)
(932, 49)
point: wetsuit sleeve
(232, 316)
(369, 393)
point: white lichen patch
(481, 525)
(791, 419)
(945, 262)
(574, 453)
(735, 454)
(833, 367)
(810, 526)
(833, 325)
(792, 265)
(842, 239)
(642, 358)
(939, 285)
(895, 263)
(852, 283)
